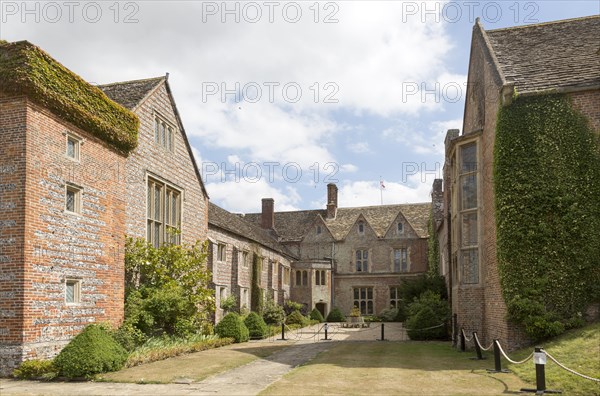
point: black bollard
(539, 357)
(477, 349)
(497, 362)
(382, 332)
(282, 332)
(326, 326)
(463, 342)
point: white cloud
(245, 197)
(359, 147)
(348, 168)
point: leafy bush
(412, 288)
(335, 315)
(296, 318)
(232, 326)
(256, 326)
(36, 369)
(91, 352)
(129, 336)
(273, 313)
(426, 312)
(229, 304)
(389, 315)
(401, 314)
(315, 314)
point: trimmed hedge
(35, 369)
(428, 311)
(256, 325)
(91, 352)
(232, 326)
(315, 314)
(27, 70)
(547, 189)
(296, 318)
(335, 315)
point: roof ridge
(132, 81)
(532, 25)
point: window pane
(468, 158)
(469, 191)
(363, 307)
(70, 204)
(149, 201)
(71, 148)
(358, 255)
(157, 203)
(370, 293)
(470, 266)
(363, 293)
(170, 139)
(70, 297)
(393, 293)
(365, 254)
(162, 133)
(149, 231)
(356, 295)
(156, 235)
(304, 278)
(369, 307)
(469, 229)
(157, 130)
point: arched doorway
(322, 307)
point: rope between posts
(512, 361)
(426, 328)
(482, 348)
(570, 370)
(467, 339)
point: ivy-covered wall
(547, 189)
(27, 70)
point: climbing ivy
(433, 248)
(256, 303)
(27, 70)
(547, 189)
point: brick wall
(588, 103)
(60, 245)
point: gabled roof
(131, 93)
(27, 70)
(293, 226)
(548, 55)
(219, 217)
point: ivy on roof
(27, 70)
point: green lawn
(400, 368)
(577, 349)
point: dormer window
(361, 228)
(400, 228)
(318, 230)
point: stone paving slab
(249, 379)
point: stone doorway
(322, 307)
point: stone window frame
(77, 191)
(401, 260)
(365, 260)
(361, 228)
(286, 275)
(76, 284)
(164, 137)
(301, 278)
(394, 293)
(221, 252)
(368, 299)
(244, 255)
(77, 143)
(458, 214)
(320, 278)
(161, 219)
(400, 228)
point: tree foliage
(547, 188)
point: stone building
(82, 166)
(235, 246)
(62, 220)
(527, 60)
(350, 257)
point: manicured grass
(195, 366)
(405, 368)
(579, 350)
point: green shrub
(389, 315)
(232, 326)
(229, 304)
(36, 369)
(256, 325)
(315, 314)
(273, 313)
(335, 315)
(412, 288)
(296, 318)
(426, 312)
(91, 352)
(401, 314)
(291, 306)
(129, 336)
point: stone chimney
(267, 218)
(437, 202)
(332, 203)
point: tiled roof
(549, 55)
(130, 93)
(294, 225)
(235, 224)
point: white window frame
(164, 132)
(76, 291)
(77, 201)
(221, 252)
(78, 140)
(164, 221)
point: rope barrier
(426, 328)
(570, 370)
(477, 341)
(467, 339)
(510, 360)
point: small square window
(73, 145)
(73, 199)
(72, 291)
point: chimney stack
(268, 216)
(332, 202)
(437, 201)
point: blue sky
(279, 98)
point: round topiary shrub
(273, 313)
(232, 326)
(256, 325)
(93, 351)
(296, 318)
(335, 315)
(315, 314)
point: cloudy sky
(280, 98)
